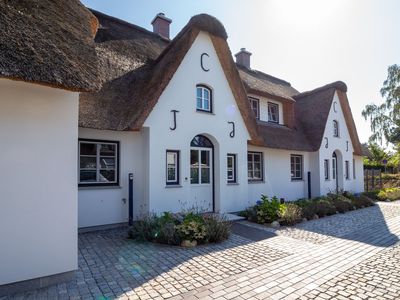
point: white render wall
(277, 177)
(180, 94)
(339, 144)
(358, 184)
(38, 204)
(109, 204)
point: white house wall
(38, 205)
(358, 184)
(277, 176)
(339, 144)
(180, 95)
(109, 204)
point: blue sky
(306, 42)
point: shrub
(341, 203)
(389, 194)
(349, 195)
(362, 201)
(192, 228)
(291, 214)
(309, 211)
(144, 230)
(371, 194)
(217, 229)
(268, 209)
(250, 214)
(321, 207)
(172, 229)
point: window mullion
(97, 162)
(199, 165)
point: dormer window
(273, 112)
(204, 98)
(255, 106)
(335, 128)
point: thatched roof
(311, 114)
(132, 89)
(137, 65)
(48, 42)
(262, 84)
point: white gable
(343, 146)
(180, 95)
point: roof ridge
(264, 74)
(340, 85)
(126, 23)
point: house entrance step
(233, 218)
(251, 233)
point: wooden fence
(372, 180)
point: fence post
(366, 179)
(373, 179)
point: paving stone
(345, 256)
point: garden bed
(184, 229)
(273, 211)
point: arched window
(201, 141)
(203, 98)
(335, 128)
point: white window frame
(233, 178)
(336, 131)
(270, 105)
(347, 169)
(202, 100)
(354, 168)
(294, 164)
(326, 169)
(257, 107)
(252, 177)
(176, 155)
(98, 144)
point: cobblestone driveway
(350, 256)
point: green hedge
(268, 210)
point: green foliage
(371, 194)
(362, 201)
(192, 228)
(389, 194)
(217, 229)
(385, 118)
(250, 213)
(320, 206)
(144, 230)
(268, 209)
(291, 214)
(341, 203)
(323, 207)
(174, 228)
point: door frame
(211, 146)
(335, 160)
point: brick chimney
(243, 58)
(161, 25)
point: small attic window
(273, 112)
(255, 106)
(335, 128)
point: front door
(201, 178)
(335, 171)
